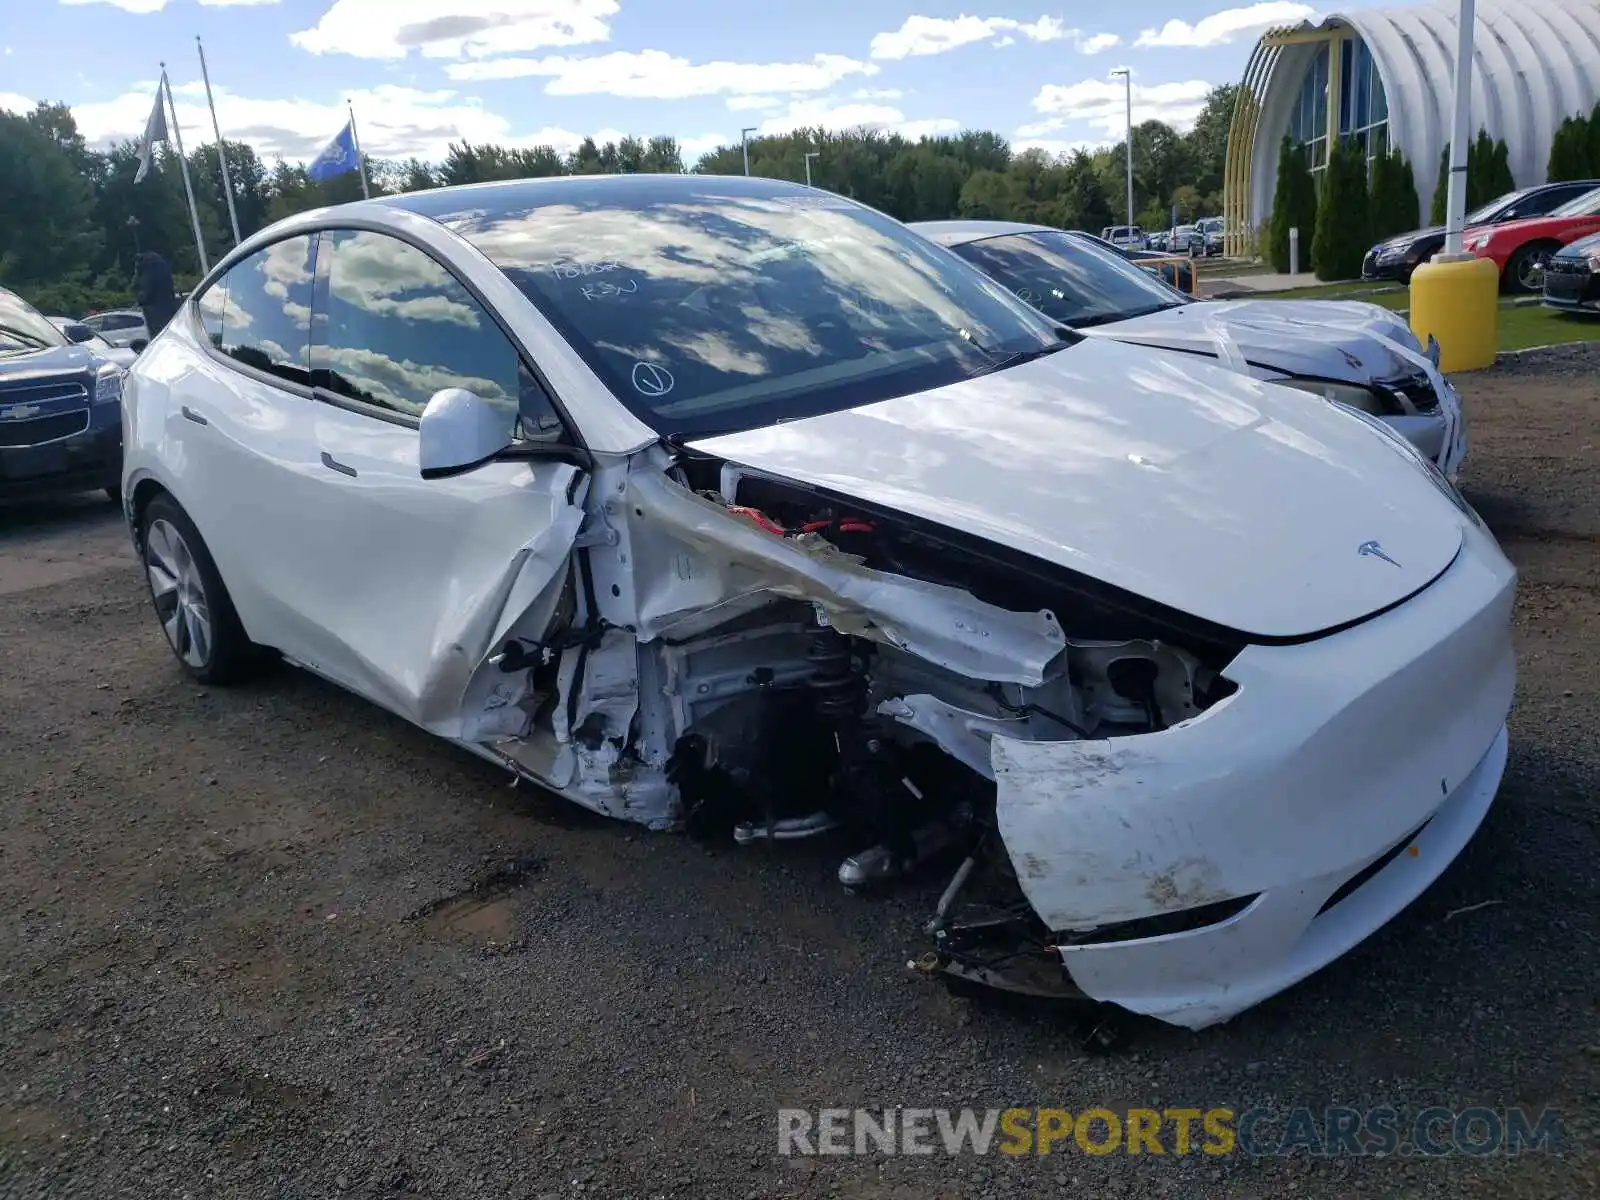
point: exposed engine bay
(735, 655)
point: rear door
(410, 583)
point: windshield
(710, 305)
(1586, 205)
(23, 329)
(1069, 280)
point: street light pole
(744, 141)
(810, 154)
(1456, 196)
(1127, 79)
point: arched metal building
(1385, 76)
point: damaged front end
(741, 655)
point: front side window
(714, 305)
(1068, 280)
(259, 312)
(400, 327)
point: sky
(423, 73)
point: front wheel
(1525, 270)
(190, 600)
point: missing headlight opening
(742, 657)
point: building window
(1363, 107)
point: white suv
(1124, 237)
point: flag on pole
(337, 157)
(155, 130)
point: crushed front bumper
(1385, 742)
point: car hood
(1237, 501)
(1325, 339)
(33, 365)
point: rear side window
(401, 327)
(259, 313)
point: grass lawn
(1535, 325)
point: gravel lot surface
(271, 942)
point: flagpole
(222, 153)
(183, 165)
(361, 162)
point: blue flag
(336, 158)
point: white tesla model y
(734, 506)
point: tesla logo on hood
(1373, 550)
(19, 412)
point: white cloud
(876, 94)
(935, 35)
(657, 75)
(810, 113)
(692, 149)
(15, 102)
(453, 28)
(1099, 42)
(1226, 26)
(396, 122)
(1102, 103)
(753, 103)
(150, 6)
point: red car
(1520, 248)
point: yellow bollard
(1457, 300)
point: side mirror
(78, 334)
(138, 344)
(460, 430)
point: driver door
(410, 584)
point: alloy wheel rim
(1532, 268)
(179, 593)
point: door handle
(333, 464)
(190, 415)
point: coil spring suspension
(839, 688)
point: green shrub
(1570, 150)
(1294, 205)
(1344, 214)
(1394, 196)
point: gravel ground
(273, 942)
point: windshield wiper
(1066, 338)
(1130, 315)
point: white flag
(155, 130)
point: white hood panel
(1229, 499)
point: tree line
(75, 220)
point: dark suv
(60, 409)
(1397, 257)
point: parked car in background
(1124, 237)
(1396, 257)
(1182, 240)
(60, 409)
(1355, 354)
(1572, 276)
(80, 334)
(1177, 274)
(1159, 240)
(1520, 248)
(120, 327)
(1207, 238)
(729, 504)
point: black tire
(224, 654)
(1519, 265)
